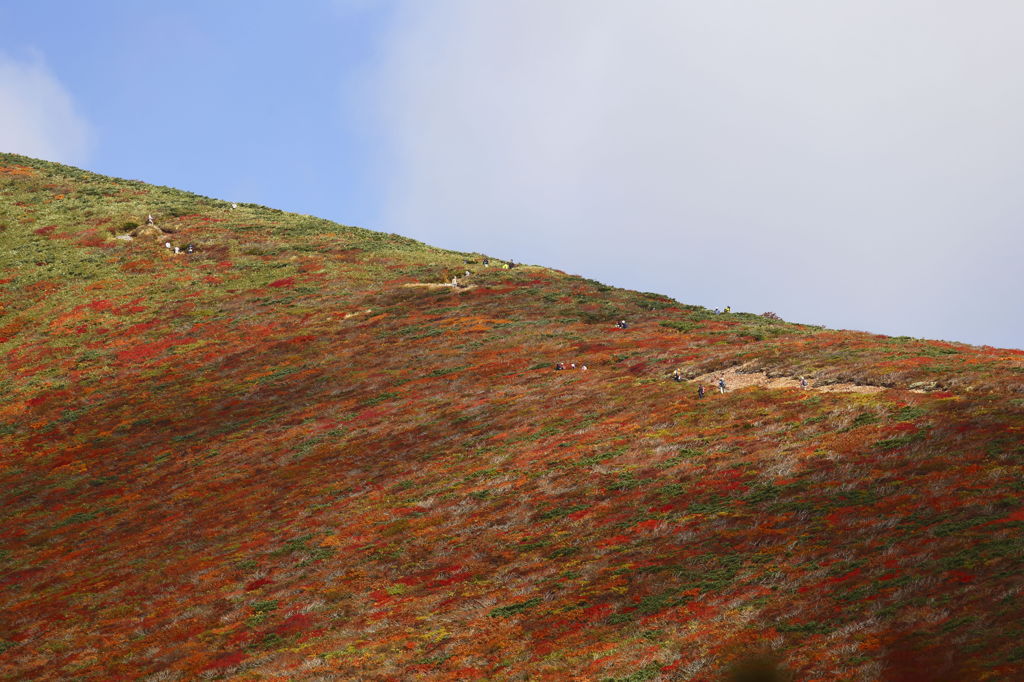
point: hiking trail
(739, 376)
(440, 285)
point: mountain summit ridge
(297, 449)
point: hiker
(560, 365)
(700, 392)
(721, 384)
(716, 312)
(621, 324)
(190, 249)
(167, 245)
(149, 220)
(487, 262)
(583, 368)
(504, 266)
(803, 382)
(728, 309)
(467, 274)
(572, 365)
(676, 375)
(455, 281)
(177, 249)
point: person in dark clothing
(700, 391)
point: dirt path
(358, 312)
(436, 285)
(740, 377)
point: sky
(854, 164)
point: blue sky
(854, 163)
(227, 99)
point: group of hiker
(621, 324)
(677, 375)
(700, 388)
(487, 263)
(572, 365)
(177, 249)
(467, 273)
(188, 248)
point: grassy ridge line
(266, 243)
(212, 467)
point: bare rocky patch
(742, 376)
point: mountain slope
(296, 453)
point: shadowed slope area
(270, 458)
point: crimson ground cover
(274, 459)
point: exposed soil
(741, 376)
(441, 285)
(358, 312)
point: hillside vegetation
(294, 453)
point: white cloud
(37, 115)
(854, 164)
